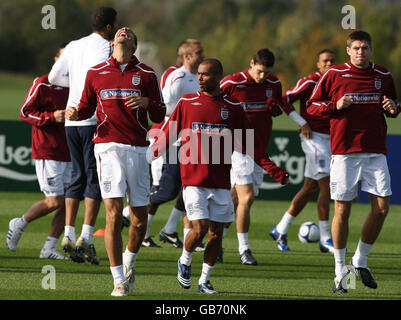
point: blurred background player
(44, 109)
(315, 142)
(181, 81)
(121, 145)
(259, 92)
(357, 96)
(206, 184)
(78, 57)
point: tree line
(230, 30)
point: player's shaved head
(216, 68)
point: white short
(208, 203)
(53, 176)
(369, 168)
(156, 168)
(317, 155)
(245, 171)
(123, 171)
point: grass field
(303, 273)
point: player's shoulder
(231, 101)
(380, 69)
(176, 75)
(100, 67)
(338, 69)
(273, 79)
(144, 68)
(315, 76)
(190, 96)
(42, 79)
(234, 79)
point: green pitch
(303, 273)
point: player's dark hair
(61, 46)
(103, 16)
(359, 35)
(217, 67)
(325, 51)
(264, 57)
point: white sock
(150, 219)
(118, 274)
(361, 254)
(129, 258)
(186, 257)
(339, 258)
(87, 232)
(206, 271)
(126, 212)
(186, 230)
(285, 223)
(171, 225)
(69, 231)
(50, 243)
(242, 242)
(21, 223)
(324, 230)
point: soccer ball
(309, 232)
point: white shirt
(71, 68)
(179, 82)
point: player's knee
(200, 230)
(246, 199)
(54, 203)
(382, 211)
(114, 217)
(311, 188)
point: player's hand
(59, 116)
(344, 103)
(71, 113)
(306, 131)
(389, 105)
(280, 175)
(274, 107)
(135, 102)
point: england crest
(378, 83)
(269, 92)
(224, 113)
(136, 79)
(107, 186)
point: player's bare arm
(344, 103)
(135, 102)
(389, 105)
(71, 113)
(306, 131)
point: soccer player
(124, 91)
(78, 57)
(44, 109)
(259, 92)
(156, 165)
(356, 96)
(181, 81)
(315, 142)
(178, 63)
(206, 122)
